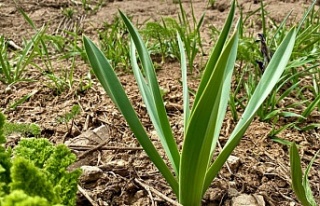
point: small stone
(139, 194)
(90, 173)
(8, 90)
(248, 200)
(233, 162)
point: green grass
(303, 64)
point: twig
(89, 147)
(148, 188)
(94, 148)
(150, 195)
(87, 196)
(227, 164)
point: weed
(300, 182)
(113, 40)
(13, 69)
(75, 110)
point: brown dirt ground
(264, 165)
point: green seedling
(211, 3)
(304, 63)
(162, 36)
(300, 182)
(85, 83)
(191, 34)
(13, 69)
(68, 12)
(113, 40)
(22, 100)
(70, 116)
(192, 169)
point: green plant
(211, 3)
(162, 36)
(190, 34)
(300, 182)
(22, 100)
(13, 69)
(304, 63)
(68, 12)
(75, 110)
(35, 173)
(22, 128)
(113, 40)
(196, 166)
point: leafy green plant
(190, 34)
(161, 38)
(22, 128)
(194, 169)
(35, 173)
(68, 12)
(300, 182)
(65, 46)
(211, 3)
(75, 110)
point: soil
(121, 173)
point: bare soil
(263, 168)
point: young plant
(13, 69)
(36, 173)
(195, 167)
(163, 36)
(211, 3)
(300, 182)
(113, 40)
(75, 110)
(190, 34)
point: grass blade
(296, 175)
(305, 182)
(215, 53)
(186, 101)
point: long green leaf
(186, 101)
(155, 106)
(311, 107)
(112, 86)
(268, 81)
(200, 129)
(296, 175)
(305, 182)
(215, 53)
